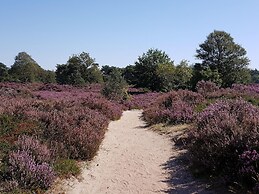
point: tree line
(221, 61)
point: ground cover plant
(174, 107)
(223, 132)
(222, 139)
(34, 117)
(225, 141)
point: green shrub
(66, 168)
(115, 87)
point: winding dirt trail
(133, 159)
(130, 160)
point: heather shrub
(173, 107)
(8, 186)
(28, 173)
(12, 90)
(249, 168)
(53, 124)
(35, 148)
(11, 126)
(179, 112)
(205, 87)
(109, 109)
(222, 132)
(82, 131)
(141, 101)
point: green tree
(25, 69)
(146, 68)
(254, 76)
(4, 76)
(206, 74)
(78, 70)
(62, 73)
(115, 88)
(165, 75)
(182, 76)
(220, 54)
(94, 74)
(107, 70)
(48, 76)
(129, 74)
(174, 77)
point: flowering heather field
(47, 128)
(42, 125)
(224, 137)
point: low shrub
(66, 167)
(53, 122)
(28, 173)
(206, 87)
(82, 131)
(222, 134)
(141, 101)
(35, 148)
(249, 168)
(174, 108)
(179, 112)
(109, 109)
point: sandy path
(130, 160)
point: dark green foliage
(107, 70)
(4, 76)
(48, 76)
(129, 74)
(254, 76)
(205, 74)
(182, 76)
(94, 75)
(78, 70)
(222, 60)
(115, 87)
(146, 69)
(164, 73)
(25, 69)
(7, 123)
(66, 167)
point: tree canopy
(146, 68)
(26, 69)
(115, 87)
(4, 76)
(78, 70)
(221, 57)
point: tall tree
(78, 70)
(129, 74)
(94, 74)
(165, 75)
(107, 70)
(255, 76)
(4, 76)
(115, 88)
(146, 68)
(25, 69)
(220, 54)
(182, 76)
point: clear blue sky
(116, 32)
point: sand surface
(133, 159)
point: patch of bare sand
(133, 159)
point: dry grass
(178, 133)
